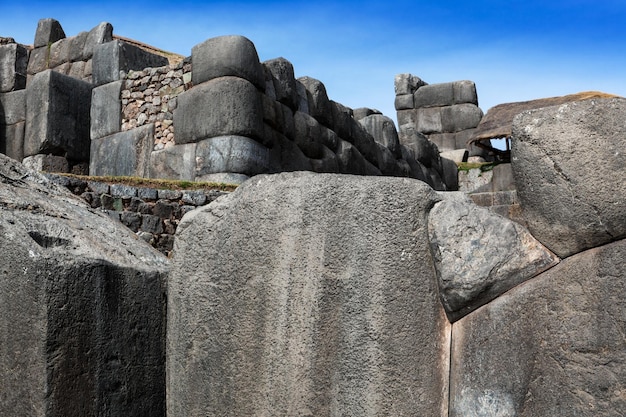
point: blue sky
(513, 50)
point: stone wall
(153, 214)
(236, 117)
(447, 113)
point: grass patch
(157, 183)
(483, 166)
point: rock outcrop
(569, 163)
(311, 295)
(82, 307)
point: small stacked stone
(149, 96)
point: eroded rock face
(81, 307)
(553, 346)
(569, 164)
(307, 294)
(479, 254)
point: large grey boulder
(48, 31)
(223, 56)
(219, 107)
(123, 154)
(13, 67)
(383, 130)
(445, 94)
(319, 106)
(569, 166)
(307, 294)
(115, 57)
(81, 307)
(106, 109)
(479, 255)
(57, 116)
(284, 81)
(553, 346)
(233, 154)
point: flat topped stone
(479, 255)
(307, 294)
(569, 166)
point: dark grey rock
(82, 306)
(77, 46)
(175, 162)
(445, 94)
(48, 32)
(13, 67)
(407, 83)
(303, 99)
(106, 110)
(12, 140)
(553, 346)
(404, 102)
(351, 161)
(57, 122)
(326, 163)
(195, 197)
(111, 58)
(98, 187)
(295, 325)
(308, 135)
(420, 147)
(342, 121)
(235, 154)
(364, 142)
(416, 170)
(429, 119)
(13, 107)
(164, 209)
(362, 112)
(123, 154)
(131, 220)
(387, 162)
(568, 162)
(383, 130)
(318, 103)
(284, 82)
(122, 190)
(38, 61)
(480, 255)
(460, 117)
(147, 193)
(169, 194)
(222, 106)
(287, 156)
(227, 56)
(450, 175)
(47, 163)
(59, 53)
(100, 34)
(151, 224)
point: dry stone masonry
(300, 293)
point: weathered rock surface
(479, 255)
(81, 307)
(311, 295)
(569, 165)
(553, 346)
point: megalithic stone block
(81, 307)
(284, 81)
(13, 67)
(48, 32)
(234, 154)
(227, 56)
(106, 110)
(553, 346)
(219, 107)
(100, 34)
(307, 294)
(383, 130)
(57, 116)
(12, 140)
(111, 58)
(123, 154)
(13, 107)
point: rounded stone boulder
(569, 166)
(231, 55)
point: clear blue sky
(514, 50)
